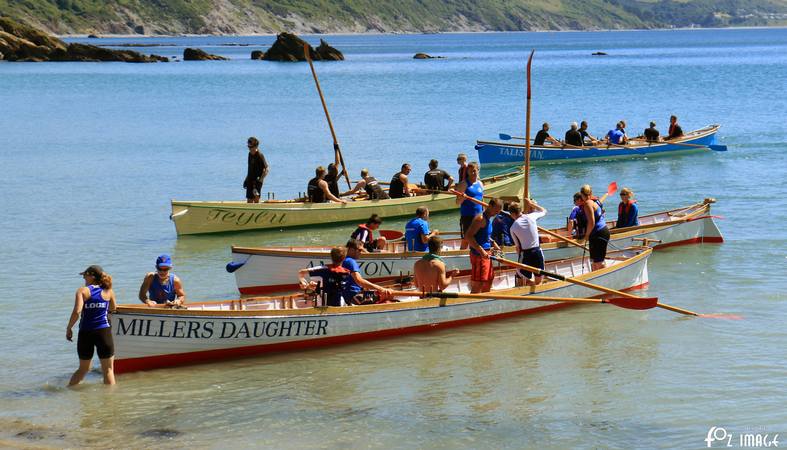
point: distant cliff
(409, 16)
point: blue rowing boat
(492, 154)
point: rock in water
(328, 53)
(288, 47)
(195, 54)
(598, 54)
(257, 54)
(20, 42)
(425, 56)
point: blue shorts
(531, 257)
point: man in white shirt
(524, 233)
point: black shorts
(250, 189)
(531, 257)
(370, 246)
(464, 224)
(598, 245)
(100, 339)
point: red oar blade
(633, 303)
(612, 188)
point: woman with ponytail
(91, 304)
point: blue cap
(163, 261)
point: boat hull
(500, 154)
(268, 270)
(217, 217)
(147, 338)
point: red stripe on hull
(182, 359)
(696, 240)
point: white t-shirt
(524, 230)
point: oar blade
(612, 188)
(721, 316)
(718, 148)
(633, 303)
(505, 137)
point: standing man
(435, 179)
(162, 287)
(365, 234)
(417, 233)
(256, 172)
(573, 136)
(472, 187)
(543, 135)
(479, 236)
(675, 131)
(524, 233)
(430, 272)
(399, 187)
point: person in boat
(334, 277)
(524, 232)
(417, 232)
(461, 159)
(437, 179)
(333, 174)
(596, 232)
(162, 287)
(618, 135)
(628, 212)
(675, 131)
(501, 227)
(357, 290)
(651, 134)
(543, 136)
(365, 234)
(576, 221)
(369, 184)
(318, 191)
(399, 184)
(587, 138)
(92, 302)
(479, 236)
(430, 272)
(573, 136)
(256, 171)
(471, 186)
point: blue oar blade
(232, 266)
(505, 137)
(718, 148)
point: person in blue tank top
(596, 232)
(416, 231)
(472, 187)
(353, 293)
(91, 304)
(481, 245)
(618, 135)
(162, 288)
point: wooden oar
(527, 129)
(714, 147)
(336, 147)
(557, 276)
(622, 302)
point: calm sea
(92, 153)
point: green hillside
(330, 16)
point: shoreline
(406, 33)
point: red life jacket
(624, 208)
(369, 235)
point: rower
(399, 187)
(587, 138)
(651, 134)
(543, 135)
(365, 234)
(461, 159)
(369, 184)
(334, 277)
(501, 226)
(430, 271)
(675, 131)
(333, 175)
(524, 233)
(576, 222)
(481, 245)
(573, 136)
(435, 179)
(618, 135)
(417, 231)
(318, 191)
(628, 212)
(353, 292)
(162, 288)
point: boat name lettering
(245, 217)
(369, 269)
(194, 329)
(520, 153)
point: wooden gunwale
(332, 310)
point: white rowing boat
(148, 338)
(265, 270)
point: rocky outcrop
(425, 56)
(257, 54)
(289, 47)
(598, 54)
(328, 53)
(195, 54)
(23, 43)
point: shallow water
(93, 152)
